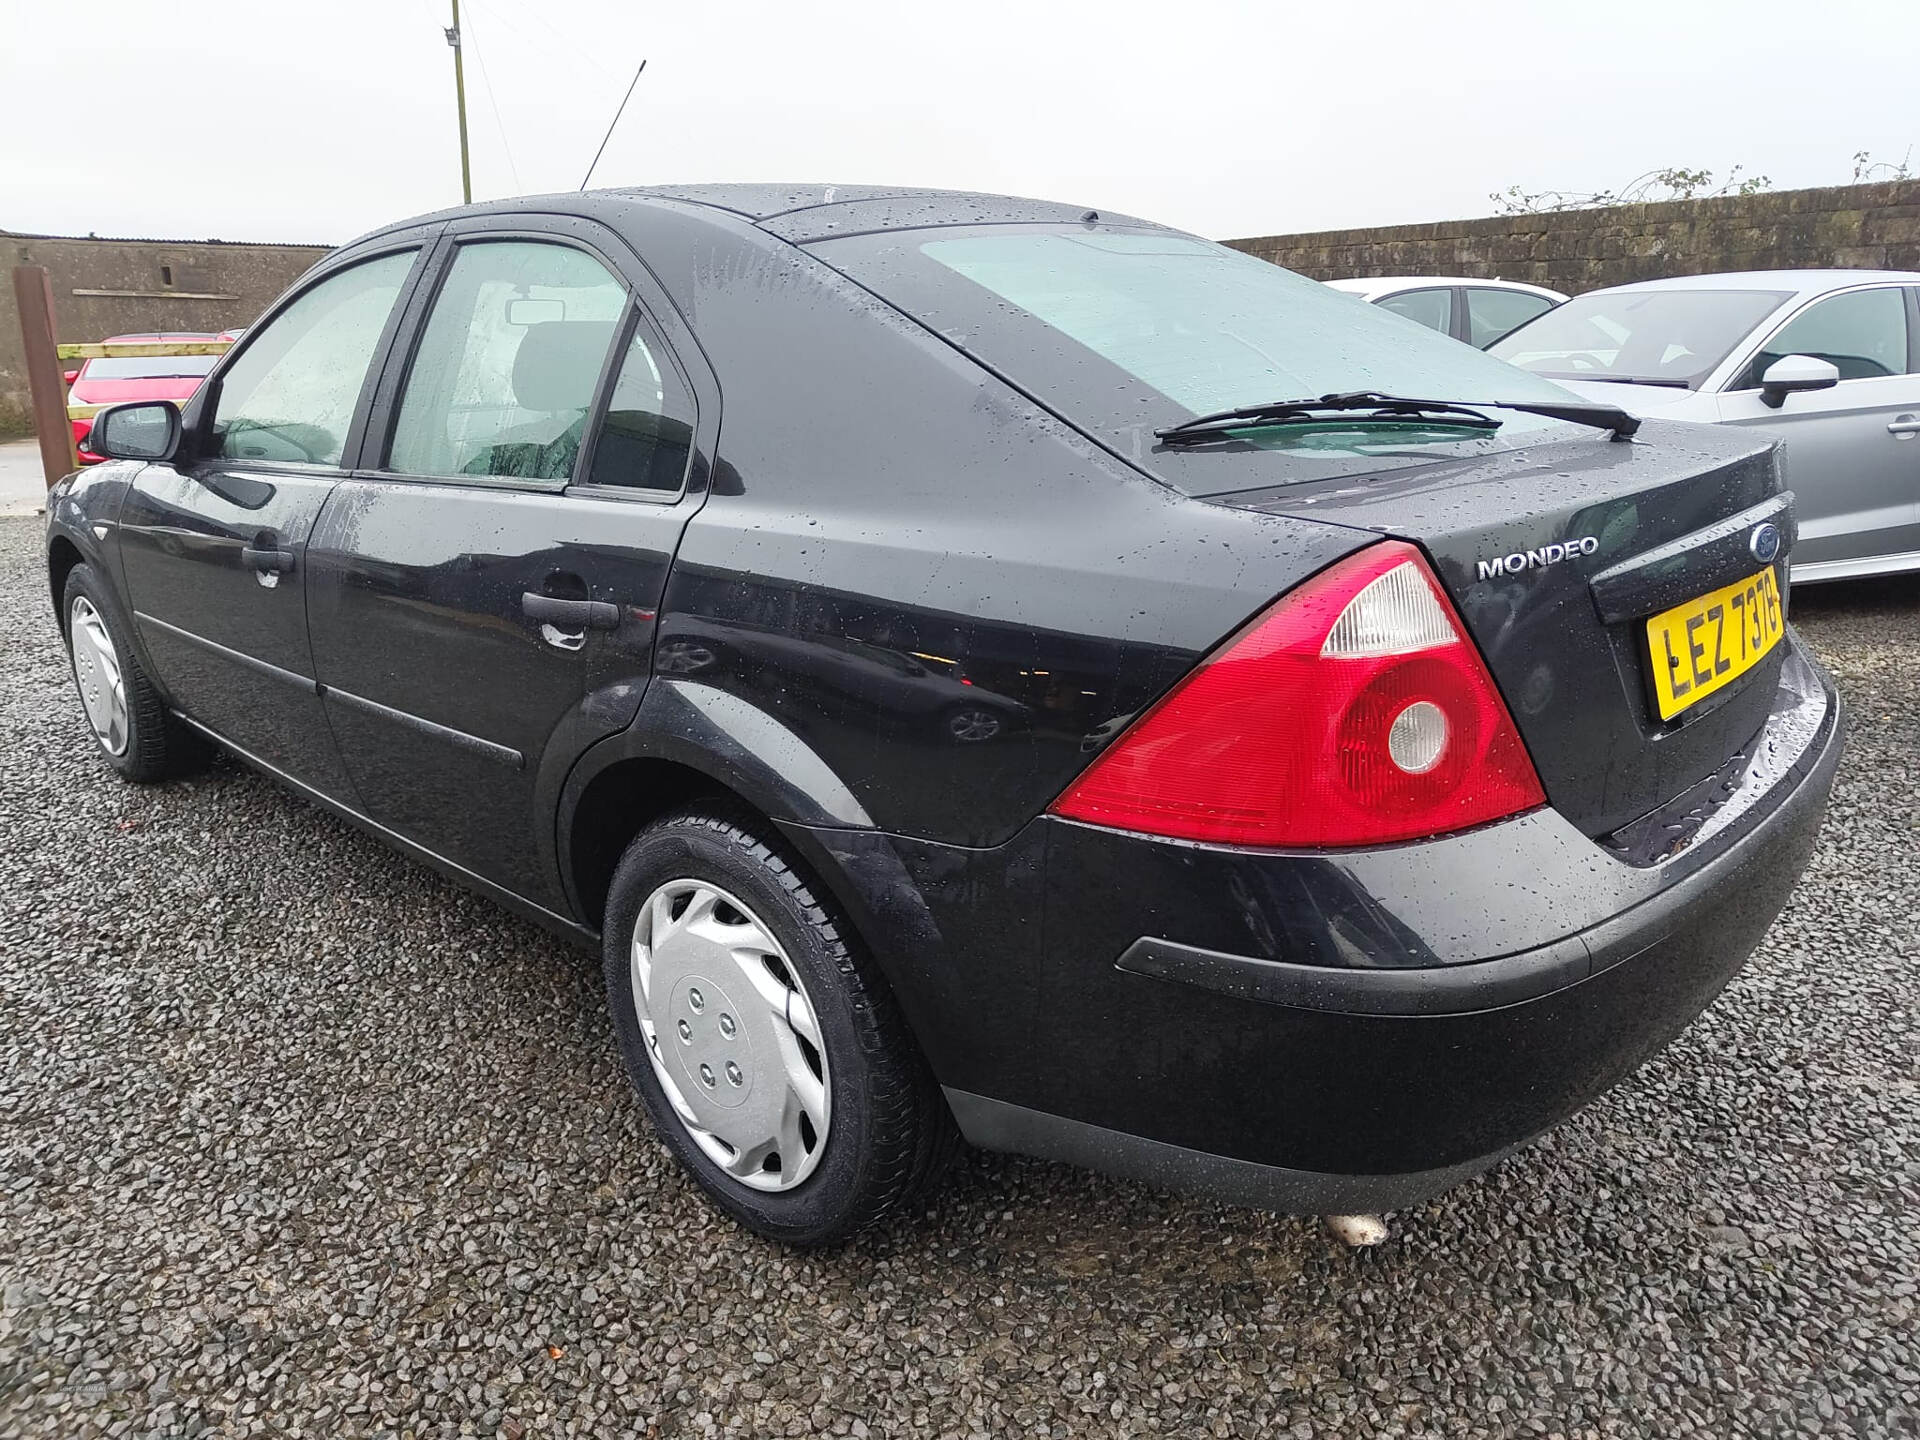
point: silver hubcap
(732, 1034)
(96, 670)
(969, 725)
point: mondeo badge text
(1530, 559)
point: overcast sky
(268, 120)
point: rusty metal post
(33, 292)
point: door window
(1492, 313)
(508, 363)
(1863, 332)
(291, 394)
(648, 433)
(1432, 308)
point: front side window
(648, 433)
(1863, 332)
(507, 366)
(1492, 313)
(290, 395)
(1432, 308)
(1640, 337)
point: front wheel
(768, 1051)
(124, 710)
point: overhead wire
(493, 103)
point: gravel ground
(299, 1140)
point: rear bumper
(1278, 1079)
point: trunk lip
(1716, 554)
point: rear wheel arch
(689, 741)
(622, 797)
(615, 805)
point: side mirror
(1793, 373)
(69, 376)
(144, 430)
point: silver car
(1827, 360)
(1476, 311)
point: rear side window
(1863, 332)
(648, 433)
(1432, 308)
(507, 366)
(290, 395)
(1493, 313)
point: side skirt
(560, 925)
(1818, 570)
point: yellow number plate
(1711, 641)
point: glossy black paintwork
(1044, 920)
(180, 538)
(899, 605)
(436, 573)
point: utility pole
(460, 99)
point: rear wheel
(769, 1054)
(128, 718)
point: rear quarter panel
(947, 595)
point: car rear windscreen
(1127, 331)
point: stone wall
(122, 287)
(1849, 226)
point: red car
(113, 380)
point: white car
(1827, 360)
(1476, 311)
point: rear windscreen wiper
(1398, 409)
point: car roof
(1378, 284)
(799, 212)
(159, 337)
(827, 209)
(1796, 282)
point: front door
(482, 603)
(214, 548)
(1853, 451)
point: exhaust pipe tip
(1357, 1232)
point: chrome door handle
(1904, 428)
(576, 614)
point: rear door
(214, 548)
(1852, 457)
(482, 593)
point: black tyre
(124, 711)
(770, 1054)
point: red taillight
(1354, 711)
(81, 430)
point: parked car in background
(1826, 360)
(1476, 311)
(914, 639)
(114, 380)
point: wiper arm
(1595, 375)
(1397, 408)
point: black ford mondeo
(983, 667)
